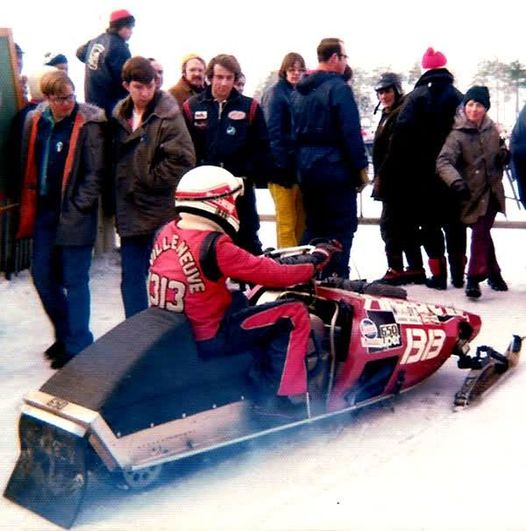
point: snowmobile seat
(147, 371)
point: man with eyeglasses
(283, 183)
(331, 155)
(192, 80)
(63, 165)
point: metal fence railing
(15, 255)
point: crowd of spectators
(437, 164)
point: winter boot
(393, 277)
(438, 270)
(56, 350)
(473, 288)
(413, 275)
(415, 272)
(497, 283)
(457, 264)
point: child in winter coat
(471, 163)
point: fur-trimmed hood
(90, 112)
(162, 105)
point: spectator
(63, 174)
(518, 154)
(104, 57)
(159, 72)
(229, 130)
(240, 83)
(471, 163)
(283, 183)
(151, 151)
(192, 80)
(58, 60)
(421, 128)
(331, 153)
(398, 232)
(19, 67)
(14, 142)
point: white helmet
(210, 192)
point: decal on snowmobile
(379, 331)
(411, 313)
(57, 403)
(422, 344)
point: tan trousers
(290, 216)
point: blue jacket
(518, 154)
(233, 137)
(81, 171)
(104, 57)
(327, 130)
(276, 105)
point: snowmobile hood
(312, 81)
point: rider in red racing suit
(188, 274)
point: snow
(409, 464)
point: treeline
(504, 80)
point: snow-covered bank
(411, 464)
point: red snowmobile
(141, 397)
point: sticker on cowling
(379, 331)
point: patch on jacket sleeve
(237, 115)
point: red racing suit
(279, 330)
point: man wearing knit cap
(104, 57)
(192, 80)
(423, 124)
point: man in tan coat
(192, 79)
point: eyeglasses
(293, 70)
(63, 99)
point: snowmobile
(141, 397)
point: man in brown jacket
(192, 79)
(151, 152)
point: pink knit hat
(433, 59)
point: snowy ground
(409, 465)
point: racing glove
(323, 252)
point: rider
(190, 262)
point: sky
(377, 34)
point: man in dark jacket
(151, 151)
(331, 153)
(398, 232)
(104, 58)
(63, 173)
(518, 154)
(425, 120)
(229, 130)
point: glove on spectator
(460, 189)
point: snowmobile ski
(487, 368)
